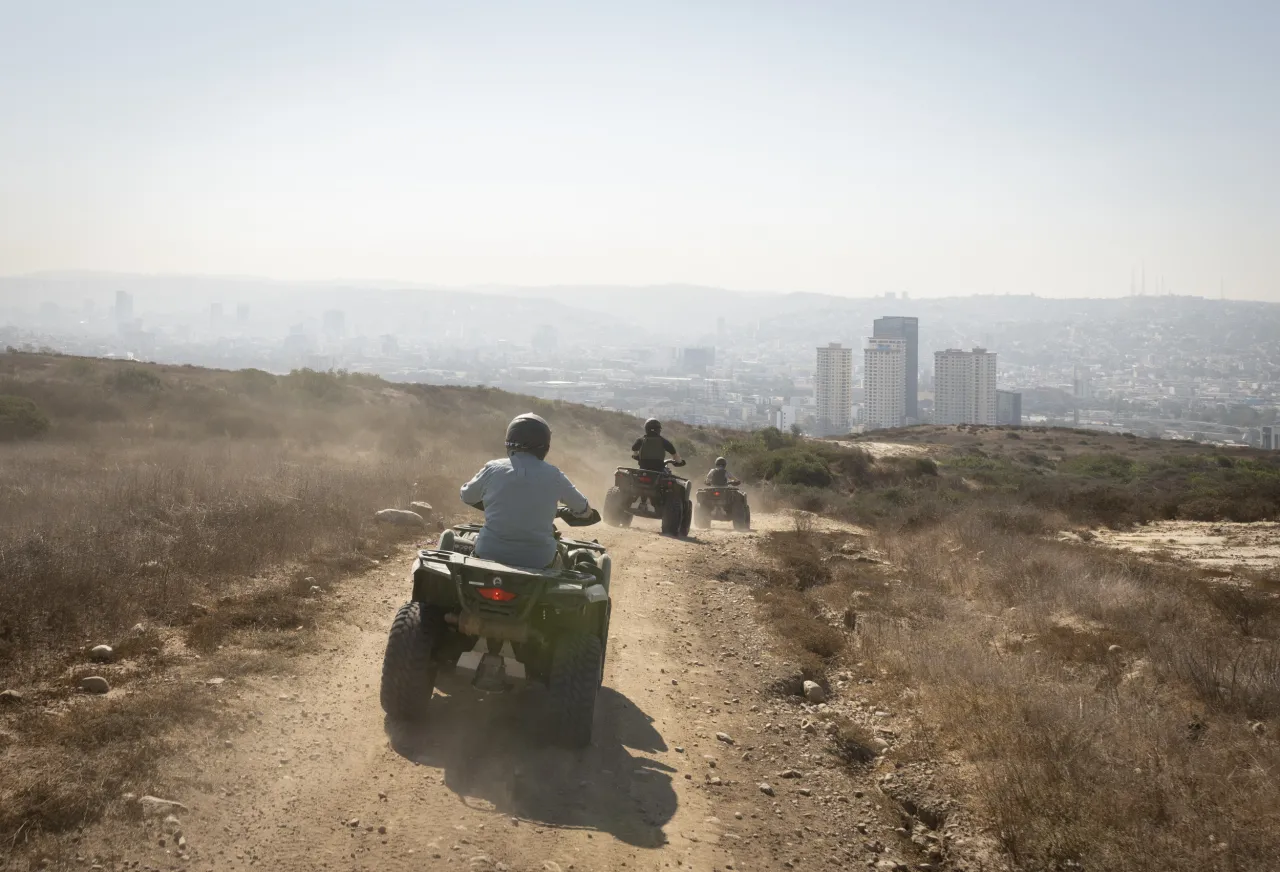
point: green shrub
(21, 418)
(134, 379)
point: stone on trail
(422, 508)
(814, 693)
(10, 697)
(400, 518)
(766, 789)
(95, 684)
(155, 806)
(724, 737)
(102, 654)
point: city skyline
(1180, 367)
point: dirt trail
(480, 787)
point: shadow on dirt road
(495, 750)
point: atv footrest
(492, 671)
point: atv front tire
(408, 670)
(687, 519)
(577, 669)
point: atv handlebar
(676, 462)
(565, 514)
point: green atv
(722, 503)
(496, 627)
(649, 494)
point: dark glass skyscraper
(907, 329)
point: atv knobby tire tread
(687, 519)
(613, 509)
(408, 671)
(672, 515)
(577, 667)
(741, 516)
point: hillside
(131, 490)
(1027, 649)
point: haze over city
(932, 148)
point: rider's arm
(671, 449)
(473, 491)
(572, 497)
(635, 449)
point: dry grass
(1106, 702)
(1118, 713)
(75, 761)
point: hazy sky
(935, 146)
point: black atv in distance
(650, 494)
(496, 626)
(722, 503)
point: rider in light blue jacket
(519, 495)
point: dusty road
(312, 776)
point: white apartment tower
(884, 382)
(964, 386)
(833, 389)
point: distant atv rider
(520, 495)
(652, 448)
(719, 474)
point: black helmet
(652, 427)
(529, 432)
(721, 462)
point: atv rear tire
(408, 670)
(577, 669)
(614, 510)
(687, 519)
(742, 516)
(702, 518)
(672, 515)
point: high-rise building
(908, 330)
(335, 324)
(884, 382)
(697, 361)
(964, 386)
(124, 306)
(1009, 408)
(833, 389)
(1271, 437)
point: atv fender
(433, 584)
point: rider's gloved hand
(679, 462)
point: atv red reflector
(717, 493)
(496, 594)
(646, 479)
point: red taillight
(645, 479)
(717, 493)
(496, 594)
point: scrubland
(1104, 710)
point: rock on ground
(10, 697)
(95, 684)
(814, 693)
(422, 508)
(400, 518)
(102, 654)
(154, 805)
